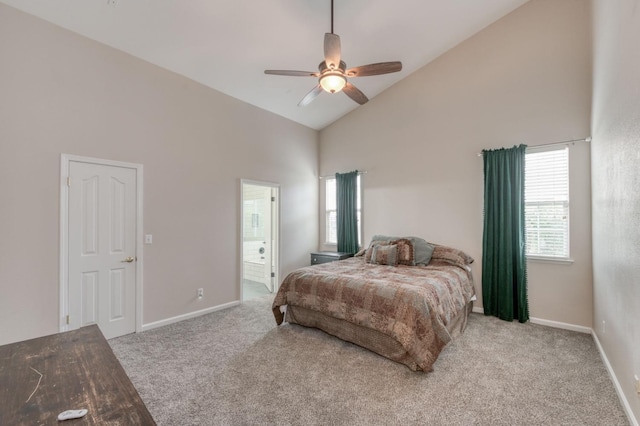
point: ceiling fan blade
(332, 50)
(375, 69)
(354, 93)
(293, 73)
(310, 96)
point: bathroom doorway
(260, 241)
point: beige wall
(524, 79)
(62, 93)
(615, 183)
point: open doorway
(259, 233)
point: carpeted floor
(235, 367)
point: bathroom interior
(259, 239)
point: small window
(331, 221)
(547, 202)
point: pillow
(451, 255)
(422, 249)
(360, 253)
(382, 238)
(369, 251)
(385, 254)
(406, 252)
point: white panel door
(102, 245)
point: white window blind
(331, 212)
(547, 202)
(331, 221)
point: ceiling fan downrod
(331, 16)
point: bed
(404, 310)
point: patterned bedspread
(411, 304)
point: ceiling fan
(333, 73)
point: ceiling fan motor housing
(325, 67)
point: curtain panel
(504, 267)
(347, 213)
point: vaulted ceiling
(226, 45)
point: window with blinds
(331, 222)
(547, 202)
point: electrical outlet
(637, 384)
(200, 293)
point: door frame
(65, 160)
(276, 252)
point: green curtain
(504, 266)
(347, 211)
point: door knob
(128, 259)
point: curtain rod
(572, 141)
(362, 172)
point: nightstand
(328, 256)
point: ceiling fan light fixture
(333, 82)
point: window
(547, 202)
(331, 222)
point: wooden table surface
(79, 370)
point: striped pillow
(385, 255)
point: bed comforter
(413, 305)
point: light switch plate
(148, 239)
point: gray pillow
(423, 250)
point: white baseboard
(183, 317)
(623, 399)
(603, 355)
(562, 325)
(549, 323)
